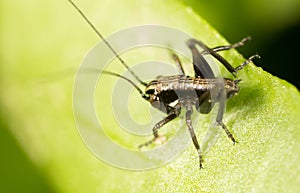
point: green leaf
(264, 117)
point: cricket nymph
(168, 92)
(171, 93)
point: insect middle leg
(161, 123)
(192, 133)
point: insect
(172, 94)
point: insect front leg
(175, 113)
(192, 133)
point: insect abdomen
(185, 84)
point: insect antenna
(108, 45)
(128, 80)
(94, 70)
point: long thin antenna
(92, 70)
(108, 45)
(128, 80)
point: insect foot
(157, 141)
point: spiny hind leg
(236, 45)
(228, 47)
(240, 67)
(216, 55)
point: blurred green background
(39, 38)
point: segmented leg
(228, 47)
(213, 52)
(219, 121)
(201, 67)
(240, 67)
(178, 63)
(229, 135)
(158, 125)
(193, 135)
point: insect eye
(150, 91)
